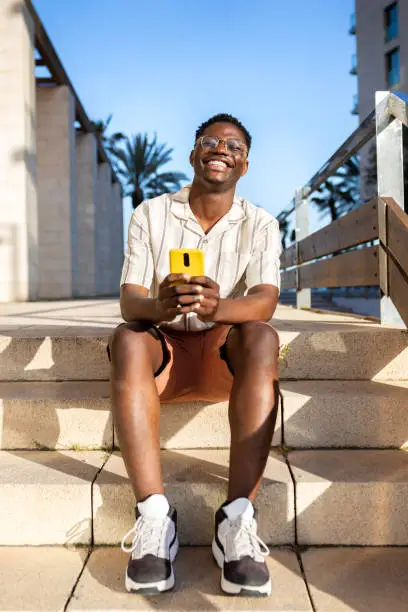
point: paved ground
(83, 317)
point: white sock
(155, 506)
(239, 507)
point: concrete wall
(18, 197)
(56, 173)
(60, 215)
(116, 248)
(102, 231)
(86, 209)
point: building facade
(61, 216)
(380, 62)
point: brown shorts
(194, 365)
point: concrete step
(39, 579)
(351, 497)
(339, 580)
(196, 484)
(343, 497)
(347, 497)
(101, 586)
(338, 348)
(45, 497)
(76, 415)
(360, 414)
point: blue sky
(167, 65)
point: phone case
(187, 261)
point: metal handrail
(358, 138)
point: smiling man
(207, 338)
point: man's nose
(223, 144)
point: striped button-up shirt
(242, 250)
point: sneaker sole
(232, 588)
(153, 588)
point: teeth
(220, 164)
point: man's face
(220, 166)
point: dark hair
(224, 118)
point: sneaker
(154, 547)
(239, 552)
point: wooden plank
(398, 289)
(357, 227)
(288, 257)
(359, 267)
(383, 269)
(397, 233)
(289, 279)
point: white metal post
(390, 178)
(303, 296)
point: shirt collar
(180, 206)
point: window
(393, 68)
(391, 21)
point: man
(208, 339)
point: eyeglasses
(233, 145)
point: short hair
(224, 118)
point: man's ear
(245, 167)
(192, 158)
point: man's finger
(172, 278)
(189, 299)
(204, 281)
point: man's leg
(252, 351)
(135, 357)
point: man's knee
(257, 339)
(128, 339)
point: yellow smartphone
(187, 261)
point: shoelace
(244, 540)
(147, 532)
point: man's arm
(135, 305)
(258, 305)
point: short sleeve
(264, 265)
(138, 266)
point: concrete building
(61, 218)
(380, 62)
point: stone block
(357, 579)
(101, 586)
(38, 579)
(45, 497)
(353, 414)
(351, 497)
(196, 484)
(55, 415)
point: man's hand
(209, 298)
(177, 299)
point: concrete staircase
(337, 475)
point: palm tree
(283, 227)
(370, 170)
(109, 142)
(340, 193)
(138, 162)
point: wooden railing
(393, 234)
(319, 259)
(368, 246)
